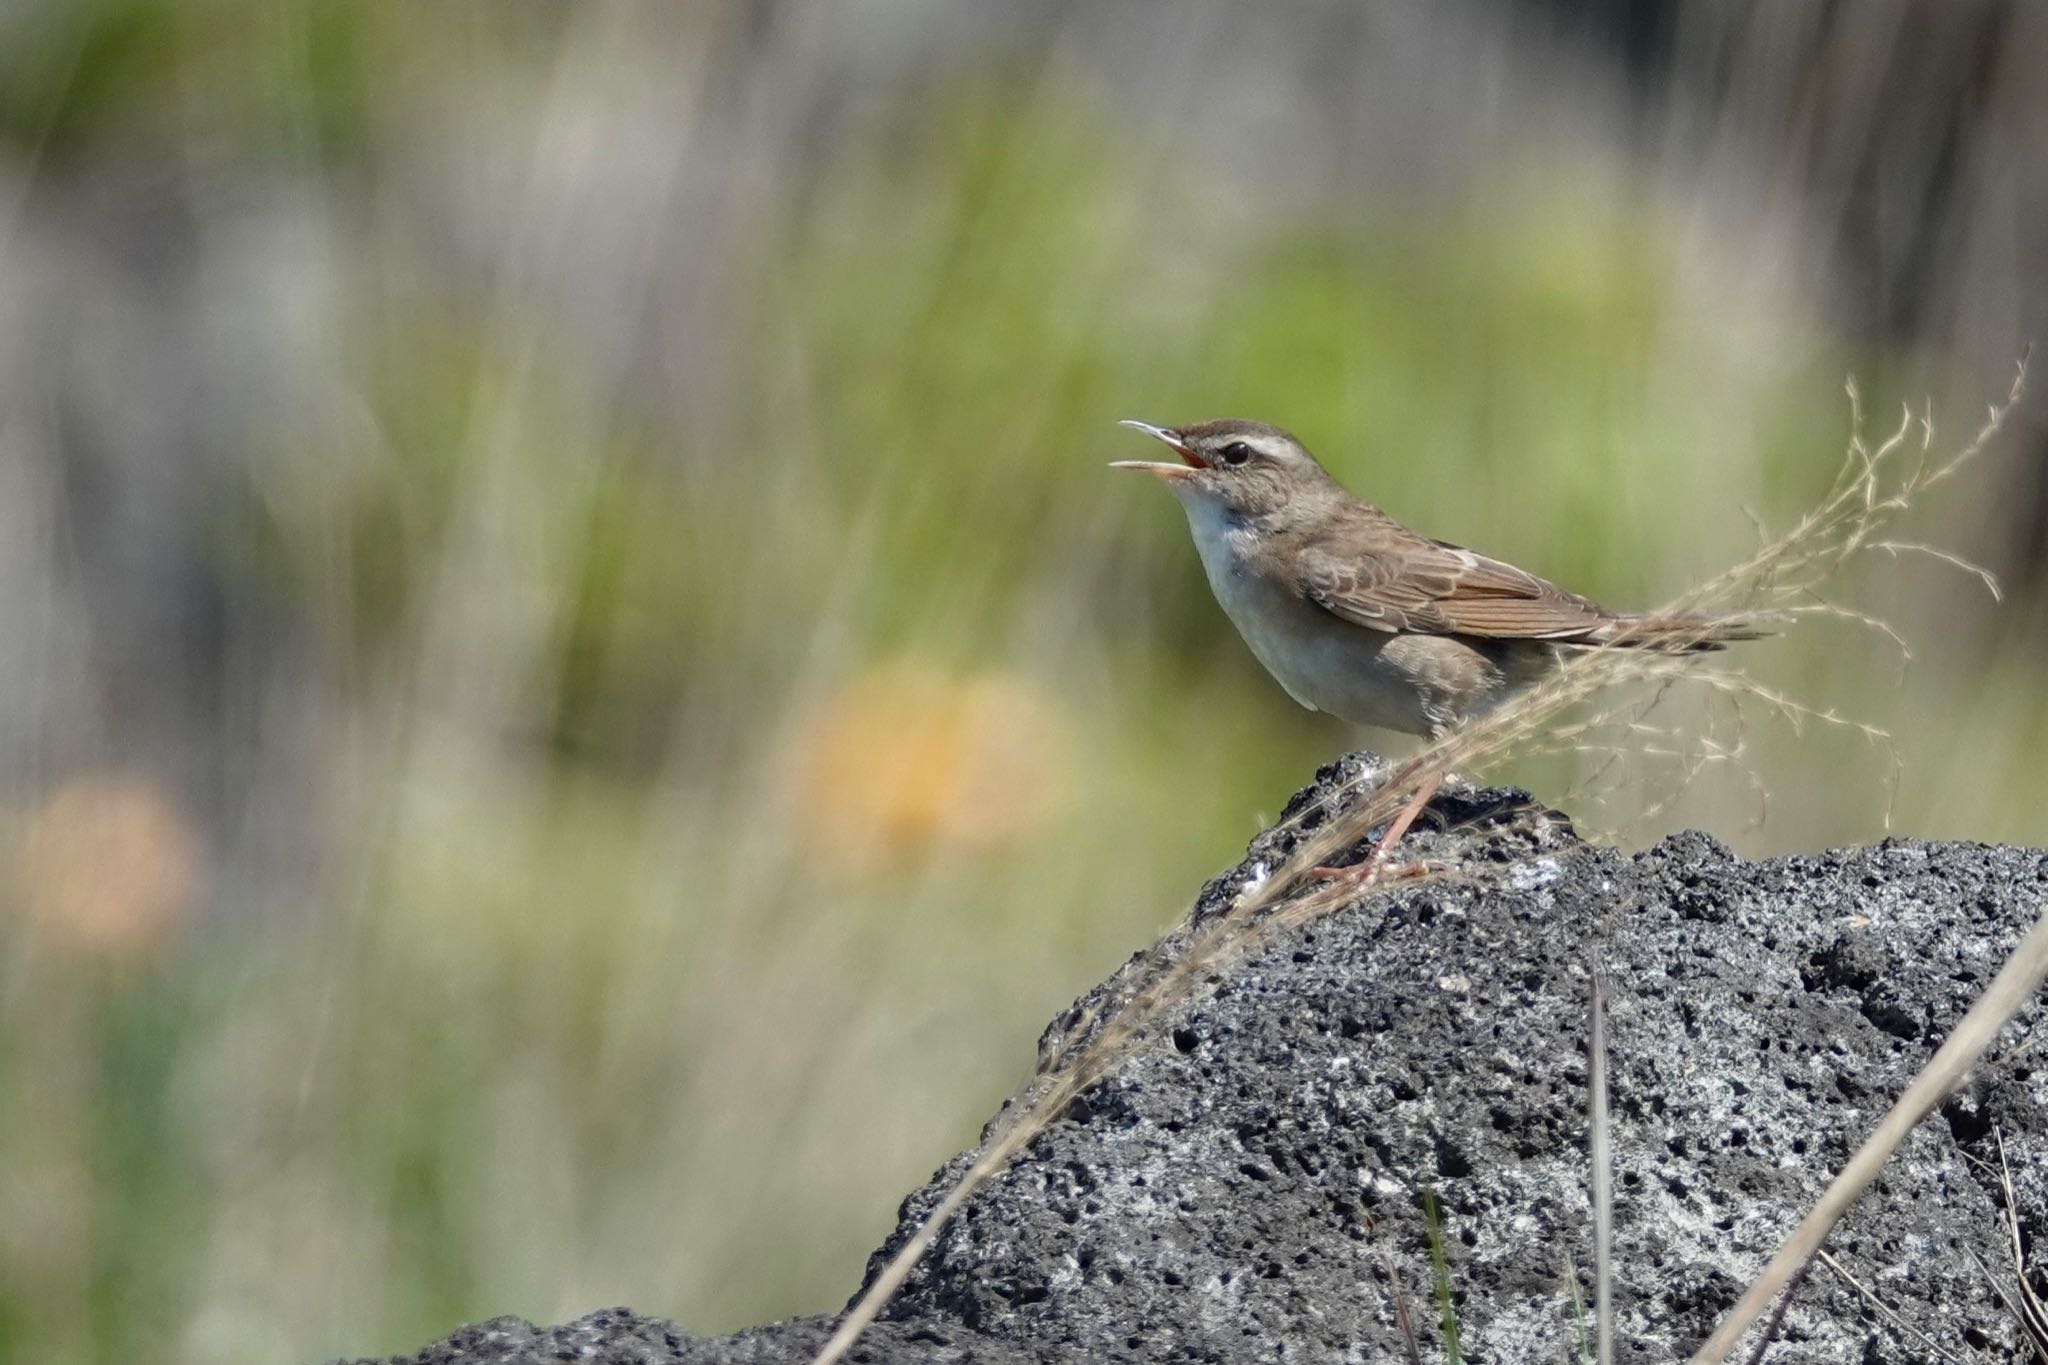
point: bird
(1356, 615)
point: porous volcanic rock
(1251, 1183)
(619, 1336)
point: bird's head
(1247, 469)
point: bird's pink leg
(1369, 870)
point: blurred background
(574, 690)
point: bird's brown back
(1359, 564)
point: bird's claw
(1379, 869)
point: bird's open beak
(1160, 467)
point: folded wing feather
(1435, 588)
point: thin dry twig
(1898, 548)
(1603, 1178)
(2034, 1330)
(1777, 1322)
(2022, 1302)
(1877, 625)
(2007, 994)
(1884, 1310)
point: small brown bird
(1357, 615)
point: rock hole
(1969, 1124)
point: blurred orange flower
(907, 762)
(109, 862)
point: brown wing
(1409, 583)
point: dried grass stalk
(2007, 994)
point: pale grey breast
(1364, 676)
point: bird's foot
(1379, 866)
(1378, 870)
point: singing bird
(1357, 615)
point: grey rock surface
(1249, 1185)
(619, 1336)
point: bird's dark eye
(1237, 452)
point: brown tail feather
(1681, 634)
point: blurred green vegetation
(710, 808)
